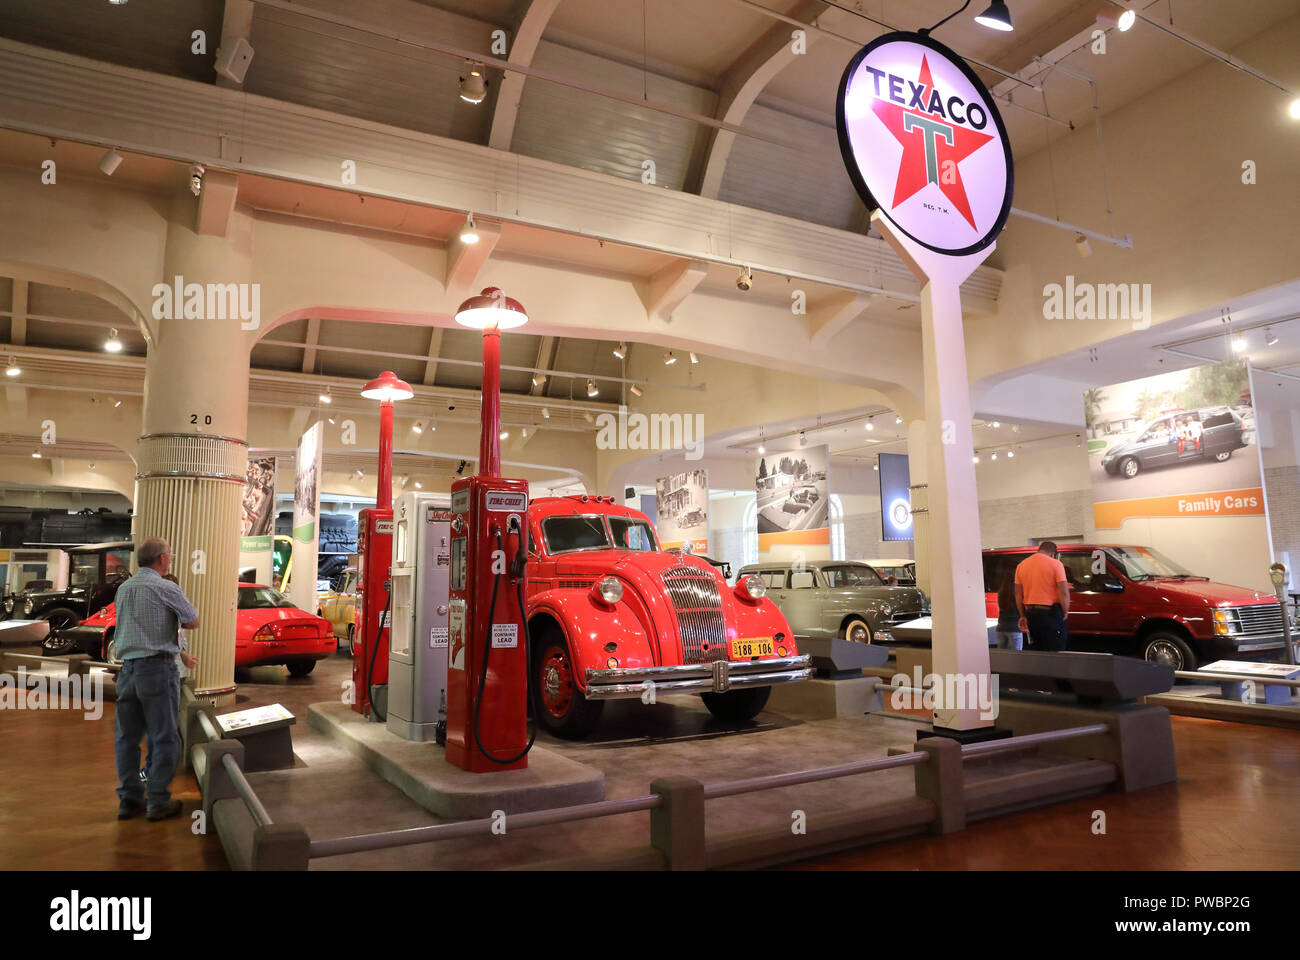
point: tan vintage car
(338, 605)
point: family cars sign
(924, 143)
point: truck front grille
(698, 606)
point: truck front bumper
(716, 676)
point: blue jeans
(148, 694)
(1010, 639)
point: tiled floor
(1232, 809)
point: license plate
(744, 648)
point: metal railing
(318, 849)
(1215, 677)
(245, 790)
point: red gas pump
(487, 675)
(374, 562)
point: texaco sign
(924, 142)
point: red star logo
(950, 145)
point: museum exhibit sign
(793, 494)
(257, 517)
(306, 516)
(1175, 465)
(895, 497)
(682, 511)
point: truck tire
(744, 704)
(559, 704)
(1165, 646)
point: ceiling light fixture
(761, 449)
(1270, 338)
(591, 389)
(109, 162)
(994, 457)
(1295, 109)
(746, 278)
(469, 233)
(897, 420)
(539, 379)
(975, 459)
(996, 17)
(418, 485)
(505, 435)
(13, 369)
(636, 391)
(116, 404)
(417, 427)
(1238, 344)
(586, 415)
(621, 351)
(1123, 22)
(669, 359)
(196, 178)
(1011, 454)
(473, 87)
(871, 424)
(694, 358)
(112, 344)
(325, 397)
(36, 454)
(546, 413)
(1082, 245)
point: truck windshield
(1144, 563)
(564, 534)
(631, 534)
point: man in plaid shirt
(150, 611)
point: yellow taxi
(338, 605)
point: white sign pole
(960, 646)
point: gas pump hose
(374, 654)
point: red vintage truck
(611, 616)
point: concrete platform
(421, 772)
(821, 699)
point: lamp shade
(387, 387)
(491, 308)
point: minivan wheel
(1222, 455)
(1169, 648)
(857, 630)
(1130, 467)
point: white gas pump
(417, 657)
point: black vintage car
(95, 571)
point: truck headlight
(752, 587)
(608, 590)
(9, 604)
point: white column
(960, 638)
(916, 443)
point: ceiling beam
(18, 314)
(435, 348)
(664, 292)
(216, 203)
(527, 35)
(465, 260)
(745, 79)
(309, 348)
(827, 319)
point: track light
(1123, 22)
(1238, 344)
(803, 439)
(694, 358)
(116, 404)
(419, 485)
(546, 413)
(669, 359)
(586, 415)
(473, 87)
(621, 351)
(876, 465)
(469, 233)
(997, 424)
(539, 379)
(196, 179)
(994, 457)
(897, 420)
(325, 397)
(112, 344)
(1270, 338)
(36, 454)
(13, 369)
(1082, 245)
(117, 3)
(331, 419)
(996, 17)
(636, 391)
(109, 162)
(871, 424)
(417, 427)
(591, 388)
(1011, 454)
(1295, 109)
(504, 435)
(975, 459)
(523, 432)
(761, 449)
(746, 278)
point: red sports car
(268, 630)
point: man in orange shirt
(1043, 596)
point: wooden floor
(1233, 808)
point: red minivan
(1137, 602)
